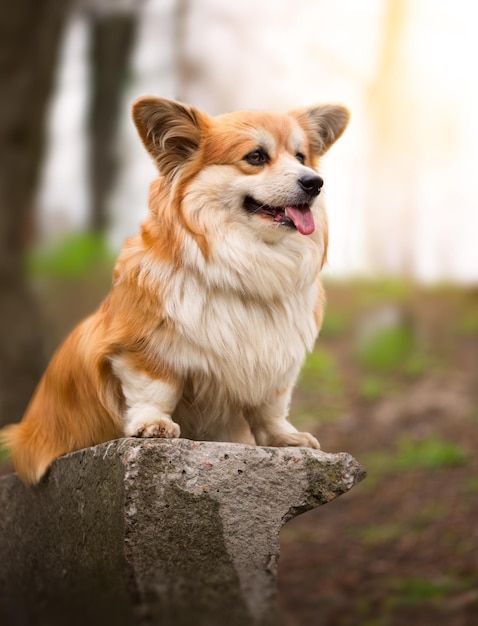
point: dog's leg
(150, 402)
(270, 426)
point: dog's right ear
(171, 131)
(325, 123)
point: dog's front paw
(305, 440)
(150, 424)
(162, 428)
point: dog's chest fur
(238, 336)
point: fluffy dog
(214, 303)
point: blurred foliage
(468, 323)
(432, 453)
(377, 339)
(4, 454)
(373, 293)
(414, 590)
(428, 514)
(71, 257)
(320, 378)
(372, 388)
(387, 348)
(402, 594)
(378, 534)
(417, 363)
(335, 323)
(5, 460)
(319, 370)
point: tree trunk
(112, 39)
(30, 33)
(184, 70)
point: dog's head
(257, 169)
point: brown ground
(402, 547)
(394, 382)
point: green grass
(380, 534)
(372, 293)
(387, 348)
(372, 388)
(417, 590)
(413, 591)
(468, 324)
(334, 325)
(320, 373)
(318, 363)
(428, 515)
(319, 395)
(471, 486)
(432, 453)
(4, 454)
(71, 257)
(416, 364)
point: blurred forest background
(393, 379)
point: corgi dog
(214, 304)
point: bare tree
(184, 69)
(30, 33)
(112, 40)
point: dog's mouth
(298, 216)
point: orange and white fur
(214, 303)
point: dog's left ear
(171, 131)
(324, 124)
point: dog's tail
(31, 452)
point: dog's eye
(257, 157)
(300, 157)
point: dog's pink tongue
(302, 218)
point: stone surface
(143, 532)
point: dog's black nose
(311, 184)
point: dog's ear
(324, 124)
(171, 131)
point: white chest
(247, 346)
